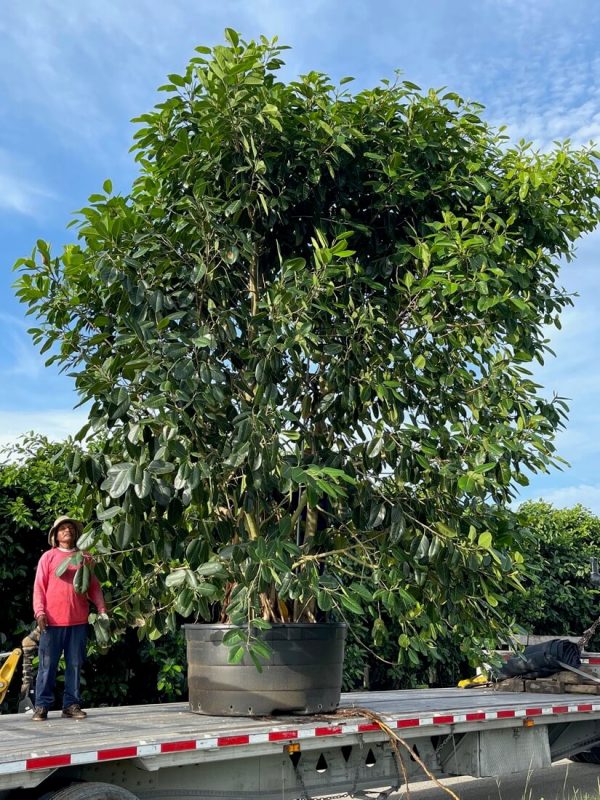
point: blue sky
(74, 72)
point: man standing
(62, 614)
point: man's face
(65, 535)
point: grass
(563, 787)
(576, 795)
(565, 793)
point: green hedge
(559, 599)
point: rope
(587, 635)
(29, 645)
(395, 740)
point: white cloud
(577, 442)
(544, 126)
(73, 62)
(32, 396)
(537, 69)
(56, 425)
(18, 193)
(96, 63)
(585, 494)
(19, 355)
(575, 372)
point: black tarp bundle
(541, 660)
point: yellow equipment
(472, 683)
(7, 670)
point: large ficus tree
(304, 337)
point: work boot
(74, 712)
(40, 714)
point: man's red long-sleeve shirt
(56, 598)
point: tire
(587, 756)
(90, 791)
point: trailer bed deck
(151, 732)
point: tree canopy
(559, 598)
(34, 489)
(305, 335)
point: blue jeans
(55, 640)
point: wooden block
(583, 688)
(544, 686)
(510, 685)
(568, 677)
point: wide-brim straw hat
(59, 521)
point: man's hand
(42, 622)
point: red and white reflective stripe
(330, 730)
(590, 660)
(45, 762)
(233, 740)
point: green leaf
(73, 560)
(210, 568)
(86, 540)
(523, 190)
(232, 36)
(255, 658)
(261, 649)
(466, 483)
(324, 600)
(362, 592)
(233, 636)
(376, 515)
(123, 533)
(207, 590)
(119, 479)
(185, 602)
(236, 654)
(351, 604)
(108, 513)
(397, 524)
(159, 467)
(483, 468)
(81, 579)
(375, 447)
(485, 540)
(422, 553)
(144, 488)
(176, 578)
(177, 80)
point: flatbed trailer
(153, 752)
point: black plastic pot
(303, 675)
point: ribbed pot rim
(228, 626)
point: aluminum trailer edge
(160, 752)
